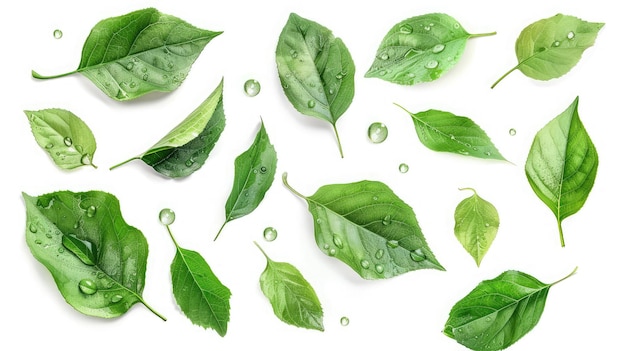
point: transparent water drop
(263, 169)
(417, 255)
(512, 131)
(87, 286)
(406, 29)
(252, 87)
(438, 48)
(91, 211)
(60, 250)
(339, 76)
(379, 254)
(344, 321)
(38, 242)
(379, 268)
(426, 28)
(67, 141)
(487, 153)
(57, 34)
(49, 235)
(311, 103)
(403, 168)
(387, 220)
(375, 198)
(457, 26)
(571, 35)
(116, 298)
(384, 57)
(486, 224)
(293, 53)
(167, 216)
(49, 146)
(270, 234)
(85, 159)
(377, 132)
(392, 244)
(129, 66)
(337, 241)
(556, 43)
(145, 77)
(332, 252)
(33, 228)
(190, 162)
(432, 64)
(365, 264)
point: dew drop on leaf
(337, 241)
(438, 48)
(392, 244)
(570, 35)
(417, 255)
(311, 103)
(270, 234)
(116, 298)
(379, 268)
(432, 64)
(365, 264)
(167, 216)
(379, 254)
(33, 228)
(377, 132)
(87, 286)
(387, 220)
(67, 141)
(406, 29)
(91, 211)
(252, 87)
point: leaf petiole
(290, 188)
(39, 76)
(338, 140)
(481, 35)
(567, 276)
(125, 162)
(220, 231)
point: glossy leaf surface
(140, 52)
(315, 69)
(366, 226)
(562, 164)
(476, 223)
(64, 136)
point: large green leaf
(365, 225)
(476, 223)
(65, 136)
(254, 174)
(97, 260)
(186, 147)
(316, 70)
(498, 312)
(140, 52)
(551, 47)
(420, 49)
(562, 164)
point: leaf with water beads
(420, 49)
(476, 223)
(186, 147)
(140, 52)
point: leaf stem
(39, 76)
(290, 188)
(153, 310)
(501, 78)
(262, 251)
(405, 110)
(472, 189)
(561, 233)
(123, 163)
(220, 231)
(481, 35)
(172, 236)
(338, 140)
(567, 276)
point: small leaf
(292, 297)
(420, 49)
(551, 47)
(562, 164)
(365, 225)
(254, 174)
(316, 70)
(186, 147)
(476, 223)
(97, 260)
(67, 139)
(140, 52)
(498, 312)
(444, 131)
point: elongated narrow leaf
(365, 225)
(316, 70)
(498, 312)
(444, 131)
(140, 52)
(292, 297)
(420, 49)
(254, 174)
(97, 260)
(476, 223)
(65, 136)
(551, 47)
(562, 164)
(186, 147)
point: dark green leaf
(476, 223)
(562, 164)
(420, 49)
(365, 225)
(140, 52)
(97, 260)
(316, 70)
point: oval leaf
(444, 131)
(562, 164)
(186, 147)
(476, 223)
(498, 312)
(315, 69)
(67, 139)
(551, 47)
(420, 49)
(365, 225)
(83, 240)
(254, 174)
(140, 52)
(292, 297)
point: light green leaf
(140, 52)
(551, 47)
(365, 225)
(97, 260)
(67, 139)
(562, 164)
(476, 223)
(316, 70)
(186, 147)
(498, 312)
(254, 174)
(420, 49)
(292, 297)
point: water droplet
(379, 254)
(432, 64)
(57, 34)
(426, 28)
(67, 141)
(38, 242)
(33, 228)
(488, 319)
(406, 29)
(344, 321)
(387, 220)
(570, 35)
(263, 169)
(337, 241)
(116, 298)
(61, 250)
(170, 64)
(145, 77)
(403, 168)
(512, 131)
(167, 216)
(49, 235)
(375, 198)
(132, 84)
(252, 87)
(417, 255)
(293, 53)
(331, 91)
(91, 211)
(85, 159)
(87, 286)
(379, 268)
(392, 244)
(457, 26)
(49, 146)
(384, 57)
(130, 66)
(339, 76)
(377, 132)
(318, 221)
(311, 103)
(487, 153)
(269, 234)
(365, 264)
(326, 246)
(438, 48)
(556, 43)
(486, 224)
(190, 163)
(332, 252)
(413, 52)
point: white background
(407, 311)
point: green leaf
(67, 139)
(254, 174)
(444, 131)
(316, 70)
(199, 293)
(562, 164)
(140, 52)
(186, 147)
(292, 297)
(420, 49)
(498, 312)
(476, 223)
(97, 260)
(365, 225)
(551, 47)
